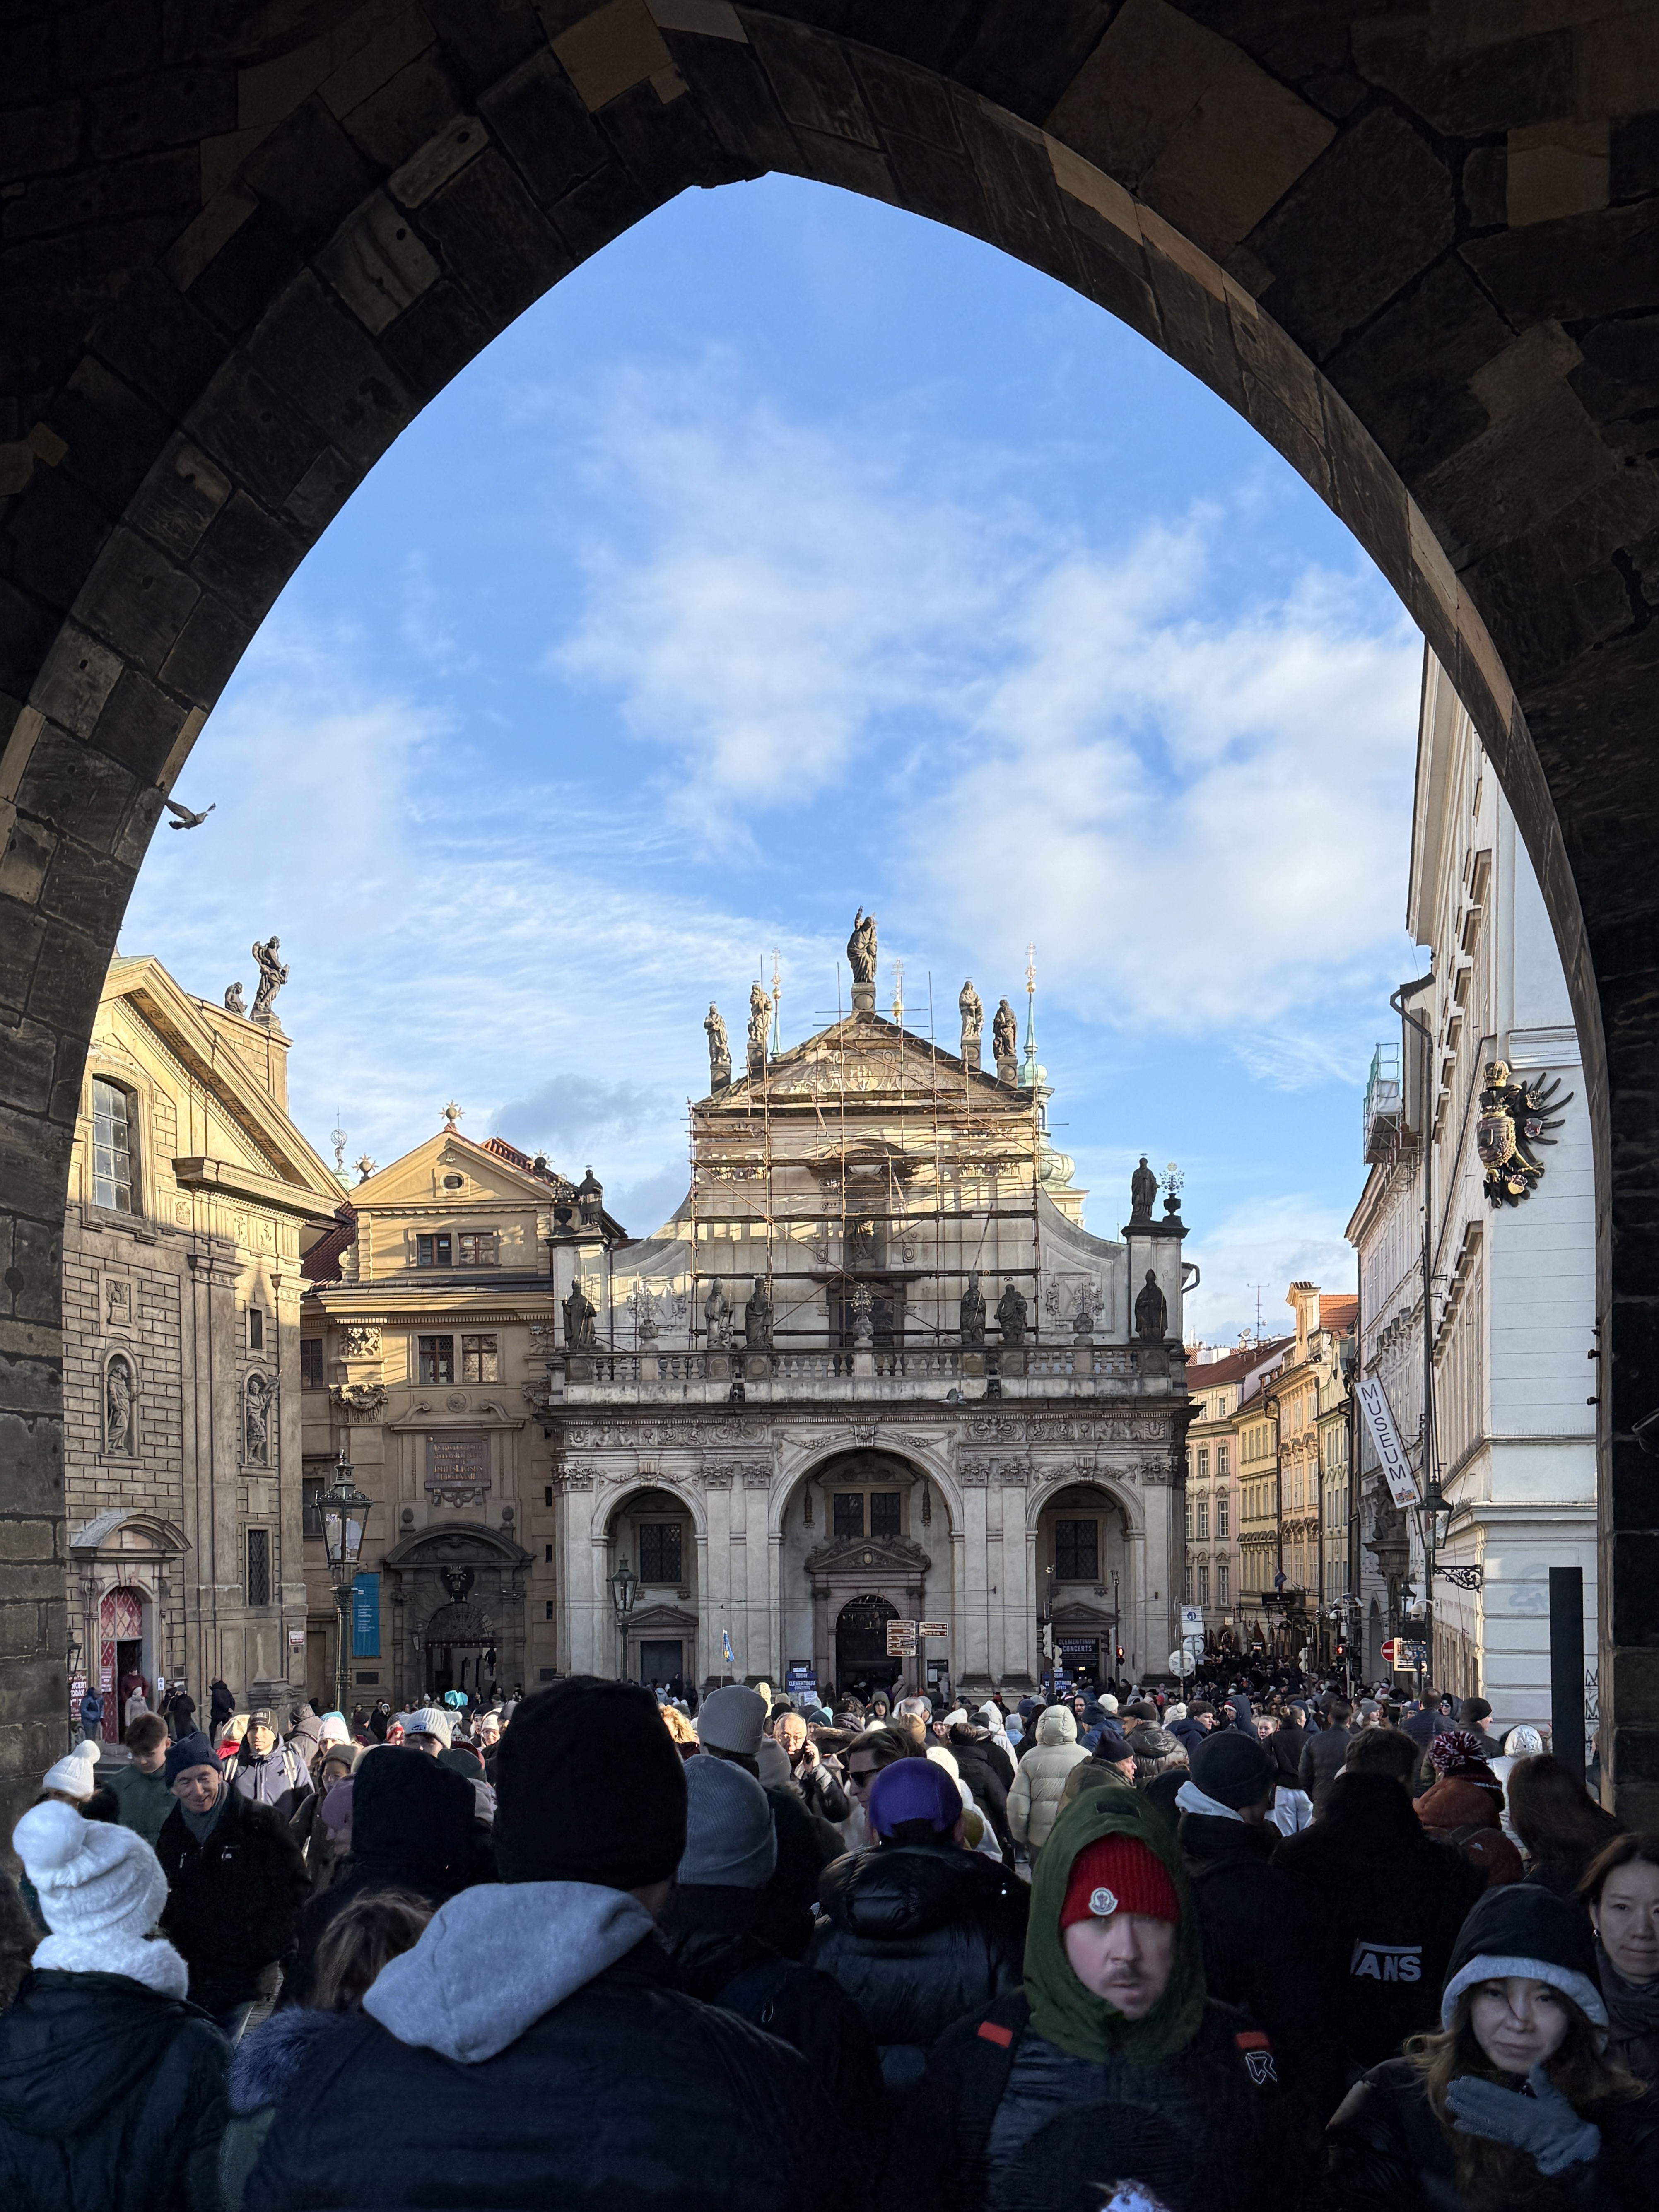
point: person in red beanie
(1111, 2072)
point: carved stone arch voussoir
(1046, 1487)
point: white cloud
(1202, 819)
(1267, 1244)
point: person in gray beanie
(1247, 1908)
(732, 1728)
(112, 2084)
(713, 1927)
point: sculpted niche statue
(757, 1319)
(1152, 1313)
(717, 1320)
(272, 976)
(971, 1320)
(578, 1320)
(861, 948)
(1004, 1033)
(118, 1410)
(1011, 1315)
(1143, 1192)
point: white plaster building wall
(1515, 1285)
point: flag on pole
(725, 1647)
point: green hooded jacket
(1063, 2012)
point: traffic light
(1120, 1655)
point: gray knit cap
(729, 1840)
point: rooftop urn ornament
(272, 976)
(366, 1167)
(452, 1114)
(1143, 1192)
(1152, 1311)
(1173, 1180)
(1514, 1117)
(971, 1320)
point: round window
(454, 1182)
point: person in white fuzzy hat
(71, 1780)
(107, 1997)
(429, 1728)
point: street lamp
(1437, 1515)
(624, 1588)
(343, 1509)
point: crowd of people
(1260, 1948)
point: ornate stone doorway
(457, 1594)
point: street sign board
(800, 1682)
(901, 1639)
(1400, 1652)
(938, 1629)
(1192, 1622)
(1385, 1435)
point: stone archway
(456, 1596)
(243, 247)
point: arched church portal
(861, 1532)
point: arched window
(114, 1147)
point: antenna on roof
(1258, 1288)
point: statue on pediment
(717, 1320)
(1005, 1036)
(760, 1022)
(971, 1007)
(1143, 1192)
(757, 1319)
(272, 976)
(1011, 1315)
(719, 1049)
(861, 948)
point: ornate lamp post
(624, 1588)
(344, 1512)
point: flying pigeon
(186, 819)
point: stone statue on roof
(717, 1320)
(272, 976)
(579, 1319)
(757, 1319)
(1004, 1033)
(971, 1007)
(760, 1022)
(1143, 1192)
(1011, 1315)
(234, 1004)
(861, 948)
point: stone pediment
(866, 1056)
(662, 1620)
(868, 1555)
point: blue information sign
(366, 1617)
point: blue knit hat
(914, 1789)
(186, 1752)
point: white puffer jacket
(1034, 1801)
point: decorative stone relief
(356, 1400)
(360, 1343)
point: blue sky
(795, 555)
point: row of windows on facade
(1198, 1517)
(1198, 1582)
(481, 1360)
(477, 1248)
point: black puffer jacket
(708, 1931)
(110, 2095)
(1320, 1763)
(1386, 2152)
(1380, 1905)
(234, 1901)
(1016, 2124)
(565, 2115)
(917, 1935)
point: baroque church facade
(874, 1378)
